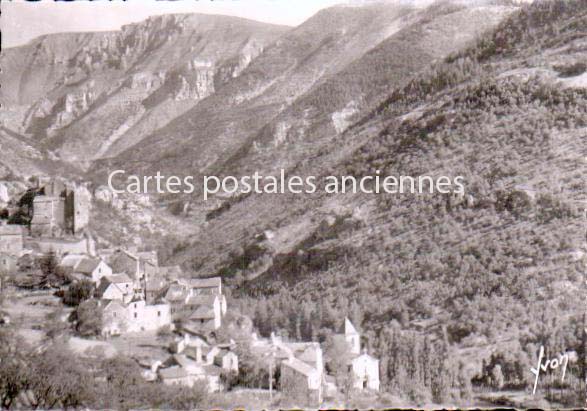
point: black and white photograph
(293, 204)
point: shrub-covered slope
(499, 270)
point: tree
(338, 357)
(14, 371)
(466, 390)
(123, 382)
(88, 318)
(52, 275)
(253, 371)
(497, 377)
(78, 292)
(59, 380)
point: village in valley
(119, 301)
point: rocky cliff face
(64, 80)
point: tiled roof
(71, 260)
(196, 325)
(299, 366)
(198, 300)
(87, 265)
(103, 286)
(202, 313)
(175, 292)
(205, 282)
(113, 304)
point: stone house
(70, 261)
(138, 265)
(175, 376)
(181, 370)
(153, 287)
(143, 317)
(301, 366)
(203, 311)
(199, 310)
(301, 382)
(114, 317)
(175, 295)
(11, 239)
(93, 269)
(308, 352)
(227, 360)
(116, 287)
(123, 261)
(135, 316)
(205, 286)
(180, 343)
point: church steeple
(349, 328)
(352, 336)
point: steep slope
(216, 128)
(84, 92)
(251, 139)
(286, 107)
(499, 270)
(310, 123)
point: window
(135, 315)
(158, 313)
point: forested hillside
(454, 294)
(491, 276)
